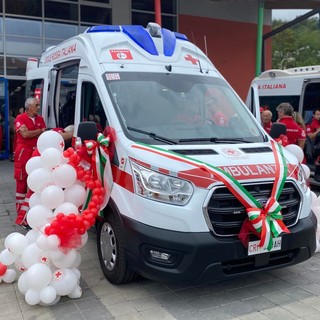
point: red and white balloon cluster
(48, 256)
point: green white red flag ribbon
(265, 221)
(100, 162)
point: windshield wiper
(153, 135)
(216, 140)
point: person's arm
(30, 133)
(301, 143)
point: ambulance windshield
(180, 108)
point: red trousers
(22, 155)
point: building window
(97, 15)
(1, 65)
(24, 7)
(143, 13)
(23, 37)
(101, 1)
(167, 6)
(61, 11)
(16, 66)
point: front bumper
(201, 257)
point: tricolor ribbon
(100, 163)
(265, 221)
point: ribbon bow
(267, 222)
(100, 164)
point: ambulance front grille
(226, 214)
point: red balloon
(3, 269)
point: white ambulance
(299, 86)
(189, 162)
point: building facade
(225, 30)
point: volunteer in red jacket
(28, 126)
(295, 133)
(314, 127)
(266, 116)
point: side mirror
(87, 130)
(278, 129)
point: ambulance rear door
(310, 98)
(253, 102)
(38, 86)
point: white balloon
(66, 208)
(9, 276)
(52, 196)
(33, 164)
(51, 158)
(42, 242)
(56, 300)
(66, 261)
(7, 258)
(84, 240)
(16, 243)
(35, 199)
(64, 281)
(32, 235)
(64, 175)
(50, 139)
(76, 194)
(76, 293)
(53, 242)
(39, 179)
(306, 170)
(48, 295)
(19, 265)
(56, 254)
(296, 150)
(77, 273)
(32, 297)
(32, 254)
(23, 284)
(39, 275)
(38, 216)
(314, 197)
(77, 262)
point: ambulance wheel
(110, 244)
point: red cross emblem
(190, 58)
(231, 152)
(62, 144)
(58, 274)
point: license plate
(253, 247)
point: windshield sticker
(113, 76)
(121, 54)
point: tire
(111, 252)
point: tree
(296, 46)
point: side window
(91, 106)
(66, 97)
(34, 89)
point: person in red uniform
(266, 116)
(314, 127)
(295, 133)
(28, 126)
(213, 112)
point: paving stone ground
(287, 293)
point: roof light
(154, 29)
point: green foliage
(296, 46)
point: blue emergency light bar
(142, 37)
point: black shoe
(25, 226)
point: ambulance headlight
(302, 178)
(160, 187)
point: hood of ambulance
(244, 162)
